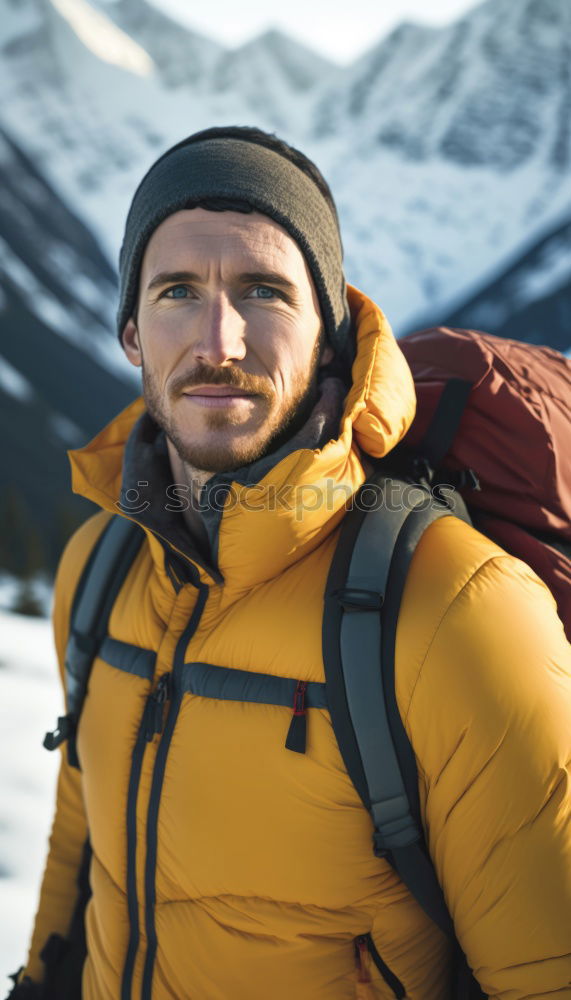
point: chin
(218, 456)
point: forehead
(195, 235)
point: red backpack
(494, 419)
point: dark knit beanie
(241, 170)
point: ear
(327, 355)
(131, 343)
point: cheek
(289, 370)
(164, 326)
(163, 344)
(295, 358)
(282, 343)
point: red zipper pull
(362, 956)
(296, 739)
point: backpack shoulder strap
(102, 578)
(362, 600)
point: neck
(194, 479)
(185, 473)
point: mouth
(218, 395)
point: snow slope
(30, 702)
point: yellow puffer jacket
(226, 867)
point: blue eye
(177, 292)
(267, 292)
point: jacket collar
(268, 515)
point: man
(224, 866)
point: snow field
(30, 702)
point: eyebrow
(268, 278)
(172, 277)
(247, 277)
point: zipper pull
(362, 958)
(155, 706)
(297, 733)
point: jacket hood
(261, 527)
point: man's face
(228, 333)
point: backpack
(467, 383)
(499, 430)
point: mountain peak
(279, 40)
(301, 67)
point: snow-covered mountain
(447, 149)
(530, 300)
(275, 76)
(491, 89)
(450, 149)
(62, 374)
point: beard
(222, 442)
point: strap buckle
(356, 599)
(60, 734)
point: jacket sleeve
(490, 721)
(69, 829)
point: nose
(221, 334)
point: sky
(340, 31)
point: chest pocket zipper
(365, 946)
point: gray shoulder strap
(362, 602)
(99, 585)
